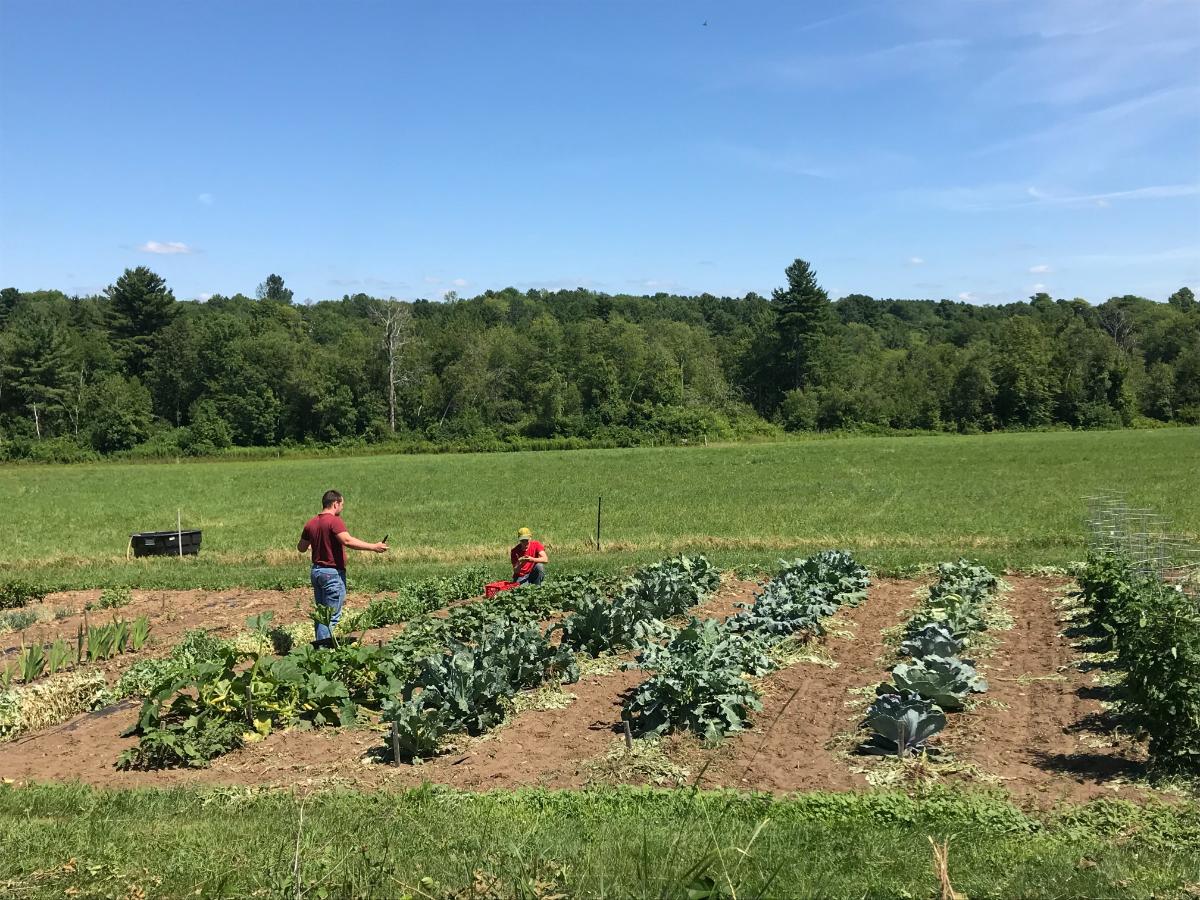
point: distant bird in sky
(706, 23)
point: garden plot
(791, 744)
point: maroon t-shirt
(322, 532)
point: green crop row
(700, 670)
(93, 643)
(216, 702)
(911, 709)
(1154, 627)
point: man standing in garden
(528, 559)
(327, 536)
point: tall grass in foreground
(608, 843)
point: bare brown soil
(1043, 727)
(1039, 731)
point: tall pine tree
(802, 315)
(140, 306)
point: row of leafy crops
(701, 670)
(93, 643)
(55, 696)
(442, 674)
(935, 679)
(1153, 626)
(17, 593)
(470, 685)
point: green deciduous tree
(1183, 300)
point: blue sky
(974, 149)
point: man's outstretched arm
(354, 543)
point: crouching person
(528, 559)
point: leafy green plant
(901, 723)
(945, 680)
(710, 643)
(417, 727)
(139, 633)
(195, 747)
(59, 656)
(1155, 628)
(147, 676)
(413, 598)
(688, 692)
(931, 639)
(17, 620)
(112, 598)
(33, 662)
(18, 593)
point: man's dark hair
(330, 498)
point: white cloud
(1038, 288)
(966, 296)
(204, 298)
(460, 282)
(430, 279)
(168, 248)
(1040, 269)
(916, 261)
(206, 199)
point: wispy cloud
(654, 284)
(994, 197)
(850, 70)
(367, 282)
(167, 248)
(1149, 257)
(1040, 269)
(1130, 122)
(967, 296)
(206, 198)
(460, 282)
(916, 261)
(204, 298)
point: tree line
(134, 371)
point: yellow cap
(524, 534)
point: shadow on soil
(1088, 766)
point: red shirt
(322, 533)
(534, 548)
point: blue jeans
(536, 575)
(329, 589)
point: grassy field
(67, 840)
(1008, 499)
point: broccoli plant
(688, 693)
(710, 644)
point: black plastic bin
(165, 543)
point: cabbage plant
(945, 680)
(901, 722)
